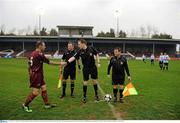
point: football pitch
(159, 94)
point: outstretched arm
(76, 56)
(65, 63)
(46, 60)
(71, 59)
(55, 63)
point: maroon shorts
(36, 80)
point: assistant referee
(119, 66)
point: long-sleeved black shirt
(119, 66)
(66, 56)
(87, 56)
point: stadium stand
(57, 45)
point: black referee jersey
(119, 66)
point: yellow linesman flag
(129, 90)
(59, 83)
(60, 78)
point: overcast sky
(163, 14)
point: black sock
(115, 92)
(121, 92)
(84, 90)
(64, 89)
(96, 89)
(72, 88)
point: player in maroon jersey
(35, 61)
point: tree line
(142, 32)
(28, 31)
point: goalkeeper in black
(119, 66)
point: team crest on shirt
(114, 60)
(90, 54)
(121, 63)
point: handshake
(62, 63)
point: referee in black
(89, 67)
(69, 70)
(119, 66)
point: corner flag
(129, 90)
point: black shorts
(160, 62)
(152, 60)
(165, 64)
(69, 72)
(90, 71)
(117, 80)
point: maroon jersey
(36, 60)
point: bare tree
(142, 31)
(12, 31)
(28, 30)
(128, 33)
(137, 33)
(149, 31)
(35, 31)
(155, 30)
(2, 29)
(21, 31)
(133, 33)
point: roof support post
(153, 48)
(58, 45)
(23, 47)
(124, 47)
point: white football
(107, 97)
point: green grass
(158, 94)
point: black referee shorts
(90, 71)
(117, 80)
(69, 72)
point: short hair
(83, 41)
(38, 43)
(71, 43)
(117, 48)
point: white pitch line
(116, 115)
